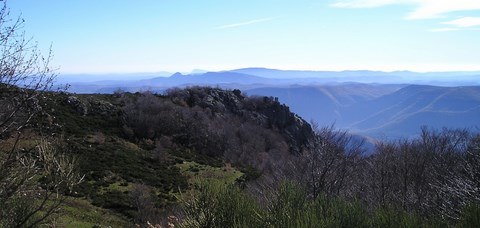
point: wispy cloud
(464, 22)
(245, 23)
(444, 30)
(423, 9)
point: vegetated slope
(142, 146)
(403, 112)
(139, 151)
(324, 104)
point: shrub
(217, 205)
(470, 216)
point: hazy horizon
(195, 71)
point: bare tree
(144, 200)
(24, 71)
(33, 184)
(31, 179)
(435, 174)
(330, 160)
(472, 168)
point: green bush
(217, 205)
(390, 217)
(115, 200)
(291, 208)
(286, 206)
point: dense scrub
(289, 206)
(131, 147)
(139, 152)
(434, 176)
(255, 132)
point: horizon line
(266, 68)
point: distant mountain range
(372, 103)
(248, 78)
(402, 112)
(325, 103)
(383, 111)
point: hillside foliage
(146, 157)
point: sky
(127, 36)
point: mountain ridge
(396, 110)
(264, 77)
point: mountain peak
(178, 74)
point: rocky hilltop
(267, 112)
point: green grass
(122, 186)
(190, 155)
(78, 212)
(196, 173)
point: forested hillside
(145, 157)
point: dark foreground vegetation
(217, 158)
(290, 206)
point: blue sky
(123, 36)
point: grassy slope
(78, 212)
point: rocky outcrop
(278, 116)
(90, 106)
(266, 111)
(217, 100)
(77, 105)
